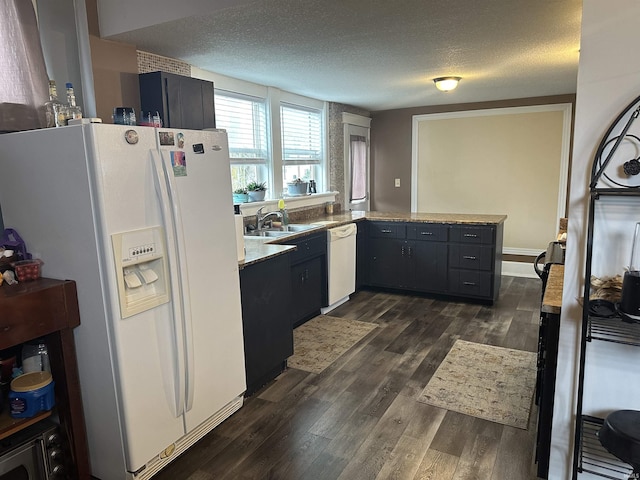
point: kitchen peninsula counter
(259, 249)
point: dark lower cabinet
(388, 265)
(306, 287)
(475, 261)
(266, 319)
(407, 257)
(308, 276)
(457, 260)
(429, 266)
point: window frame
(261, 163)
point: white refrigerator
(142, 220)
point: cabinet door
(172, 92)
(196, 104)
(386, 265)
(306, 281)
(429, 264)
(266, 306)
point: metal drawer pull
(470, 235)
(385, 231)
(469, 284)
(426, 233)
(468, 257)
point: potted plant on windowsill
(297, 187)
(256, 191)
(240, 195)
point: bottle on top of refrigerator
(73, 110)
(55, 111)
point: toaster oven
(34, 453)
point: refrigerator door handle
(187, 328)
(178, 354)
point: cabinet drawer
(469, 282)
(390, 230)
(434, 232)
(472, 234)
(308, 247)
(471, 257)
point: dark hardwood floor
(359, 418)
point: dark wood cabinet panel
(430, 266)
(308, 276)
(306, 286)
(266, 319)
(362, 255)
(183, 102)
(471, 257)
(386, 263)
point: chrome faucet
(261, 218)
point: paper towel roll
(240, 236)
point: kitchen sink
(267, 233)
(281, 231)
(294, 227)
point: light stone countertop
(552, 300)
(258, 249)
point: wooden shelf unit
(48, 308)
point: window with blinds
(245, 120)
(302, 139)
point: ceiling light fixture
(446, 84)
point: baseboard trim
(518, 269)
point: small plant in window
(240, 195)
(297, 187)
(256, 191)
(256, 187)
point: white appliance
(142, 220)
(341, 265)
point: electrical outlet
(397, 182)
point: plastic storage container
(31, 393)
(27, 269)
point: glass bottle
(56, 112)
(74, 111)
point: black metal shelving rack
(589, 455)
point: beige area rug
(320, 342)
(484, 381)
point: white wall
(608, 79)
(118, 16)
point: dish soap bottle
(283, 211)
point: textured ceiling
(382, 55)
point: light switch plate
(397, 182)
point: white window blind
(301, 135)
(245, 120)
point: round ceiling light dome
(446, 84)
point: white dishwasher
(341, 264)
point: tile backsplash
(148, 62)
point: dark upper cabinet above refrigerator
(183, 102)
